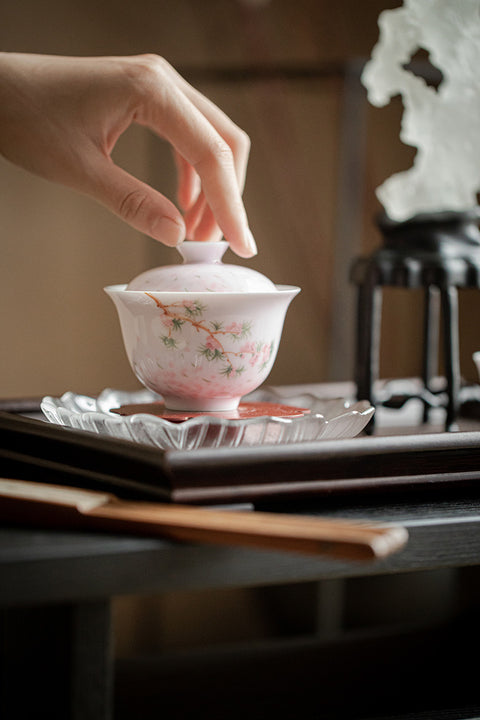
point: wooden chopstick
(54, 505)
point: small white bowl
(202, 350)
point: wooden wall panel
(59, 250)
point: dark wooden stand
(438, 252)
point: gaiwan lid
(202, 271)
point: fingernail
(250, 242)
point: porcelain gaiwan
(202, 334)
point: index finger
(236, 138)
(165, 109)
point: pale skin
(60, 118)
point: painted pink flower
(212, 343)
(167, 321)
(248, 347)
(265, 352)
(188, 304)
(235, 328)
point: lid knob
(202, 252)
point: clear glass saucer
(327, 419)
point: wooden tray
(35, 450)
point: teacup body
(202, 351)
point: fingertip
(137, 204)
(250, 243)
(240, 238)
(169, 231)
(248, 247)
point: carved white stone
(444, 123)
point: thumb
(137, 203)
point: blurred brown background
(288, 73)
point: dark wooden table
(56, 589)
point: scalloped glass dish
(327, 419)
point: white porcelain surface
(201, 351)
(202, 271)
(199, 346)
(328, 419)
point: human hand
(60, 118)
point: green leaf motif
(194, 308)
(210, 354)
